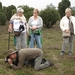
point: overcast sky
(40, 4)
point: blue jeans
(37, 38)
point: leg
(18, 40)
(23, 39)
(14, 41)
(65, 42)
(71, 39)
(38, 40)
(31, 44)
(38, 65)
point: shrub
(50, 16)
(2, 18)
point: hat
(20, 10)
(10, 51)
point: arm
(63, 28)
(29, 23)
(40, 24)
(10, 28)
(62, 25)
(20, 63)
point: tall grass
(52, 41)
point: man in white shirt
(67, 25)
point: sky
(40, 4)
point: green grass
(52, 41)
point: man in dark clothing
(25, 55)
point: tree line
(50, 14)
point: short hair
(20, 10)
(68, 9)
(36, 10)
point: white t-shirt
(16, 25)
(34, 23)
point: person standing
(18, 26)
(35, 24)
(67, 25)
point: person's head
(20, 11)
(35, 12)
(68, 12)
(11, 54)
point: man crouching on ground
(25, 55)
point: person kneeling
(27, 54)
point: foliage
(73, 8)
(73, 11)
(0, 5)
(50, 16)
(13, 11)
(2, 18)
(51, 6)
(62, 6)
(9, 11)
(4, 10)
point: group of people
(32, 29)
(22, 30)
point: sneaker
(51, 63)
(70, 53)
(62, 53)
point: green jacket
(36, 32)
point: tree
(50, 6)
(13, 11)
(50, 16)
(62, 6)
(1, 10)
(2, 18)
(4, 10)
(0, 5)
(9, 11)
(73, 8)
(73, 11)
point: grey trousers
(21, 41)
(38, 65)
(68, 40)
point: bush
(50, 16)
(2, 18)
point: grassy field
(52, 41)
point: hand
(9, 30)
(10, 61)
(6, 60)
(27, 34)
(34, 28)
(67, 31)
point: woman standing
(18, 25)
(35, 24)
(67, 25)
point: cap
(20, 10)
